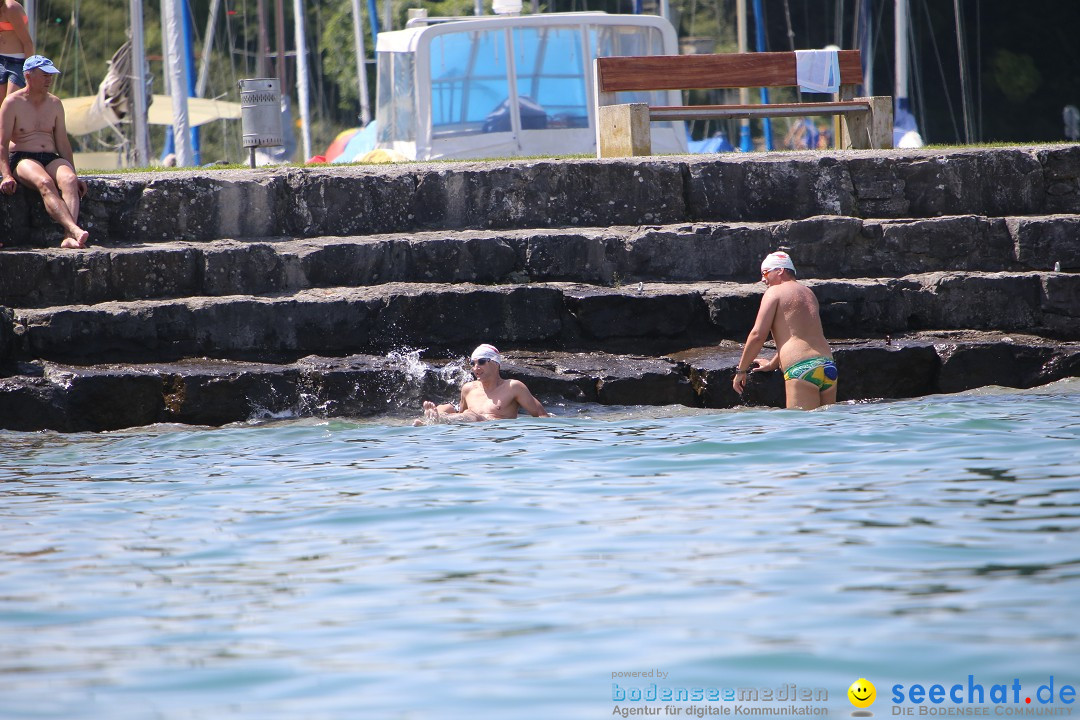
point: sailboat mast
(759, 34)
(279, 37)
(302, 76)
(866, 45)
(208, 45)
(965, 91)
(31, 12)
(139, 107)
(263, 43)
(172, 32)
(361, 62)
(902, 23)
(745, 143)
(189, 72)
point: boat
(508, 86)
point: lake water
(334, 569)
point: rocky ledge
(216, 297)
(214, 392)
(364, 200)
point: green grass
(160, 168)
(511, 159)
(247, 166)
(995, 144)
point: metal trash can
(260, 114)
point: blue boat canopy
(475, 87)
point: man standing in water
(488, 397)
(35, 150)
(789, 311)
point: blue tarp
(715, 144)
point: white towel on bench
(817, 70)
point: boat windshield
(496, 87)
(621, 40)
(472, 74)
(469, 79)
(396, 106)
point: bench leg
(873, 130)
(623, 131)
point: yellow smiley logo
(862, 693)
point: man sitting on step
(35, 150)
(488, 397)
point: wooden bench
(623, 130)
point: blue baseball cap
(39, 62)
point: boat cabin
(481, 87)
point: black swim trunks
(42, 157)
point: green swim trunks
(820, 371)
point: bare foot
(431, 417)
(77, 240)
(431, 414)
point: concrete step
(644, 318)
(824, 247)
(313, 202)
(52, 396)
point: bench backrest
(706, 72)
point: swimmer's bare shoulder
(525, 399)
(469, 387)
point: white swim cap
(778, 259)
(487, 352)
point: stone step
(824, 247)
(213, 392)
(646, 318)
(350, 201)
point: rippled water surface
(333, 569)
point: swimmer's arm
(756, 339)
(760, 332)
(766, 364)
(463, 402)
(445, 410)
(528, 401)
(448, 409)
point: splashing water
(417, 380)
(455, 373)
(408, 361)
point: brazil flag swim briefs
(820, 371)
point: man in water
(35, 150)
(488, 397)
(789, 311)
